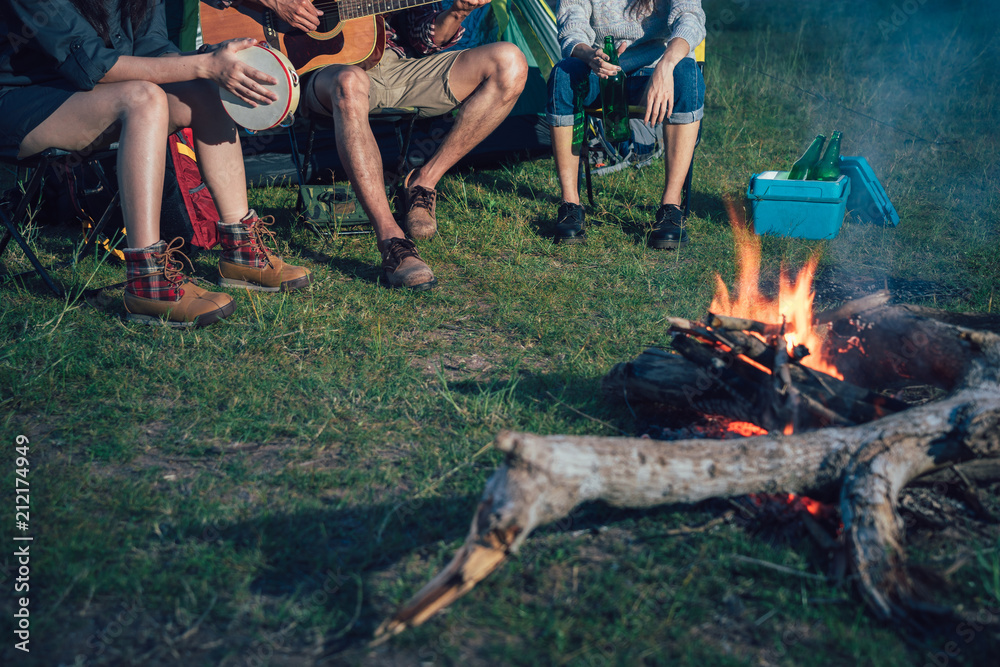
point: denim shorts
(23, 108)
(689, 90)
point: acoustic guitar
(350, 32)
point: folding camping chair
(634, 112)
(36, 168)
(402, 121)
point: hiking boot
(418, 210)
(246, 261)
(158, 293)
(402, 266)
(570, 224)
(669, 233)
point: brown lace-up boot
(402, 266)
(418, 205)
(246, 260)
(158, 293)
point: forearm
(447, 25)
(584, 51)
(165, 69)
(677, 49)
(574, 26)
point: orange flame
(794, 304)
(814, 507)
(745, 429)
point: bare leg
(345, 89)
(85, 120)
(678, 152)
(487, 80)
(567, 164)
(196, 104)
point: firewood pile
(842, 442)
(742, 369)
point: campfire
(762, 360)
(809, 428)
(790, 314)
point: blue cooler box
(868, 201)
(803, 209)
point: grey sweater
(588, 21)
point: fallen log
(862, 468)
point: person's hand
(597, 60)
(237, 77)
(468, 6)
(659, 95)
(300, 14)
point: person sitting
(78, 75)
(655, 42)
(482, 82)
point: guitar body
(359, 41)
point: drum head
(265, 116)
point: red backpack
(188, 210)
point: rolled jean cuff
(560, 121)
(686, 117)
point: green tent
(531, 25)
(182, 23)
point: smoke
(913, 86)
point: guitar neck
(356, 9)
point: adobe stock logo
(901, 13)
(966, 632)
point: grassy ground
(266, 490)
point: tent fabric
(531, 26)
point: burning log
(738, 375)
(861, 467)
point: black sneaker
(569, 224)
(669, 232)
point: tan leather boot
(159, 293)
(418, 210)
(247, 262)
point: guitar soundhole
(329, 20)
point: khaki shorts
(421, 83)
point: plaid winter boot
(246, 261)
(158, 293)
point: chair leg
(585, 161)
(30, 190)
(403, 141)
(98, 229)
(13, 232)
(686, 197)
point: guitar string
(383, 5)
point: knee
(142, 99)
(348, 88)
(511, 68)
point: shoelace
(672, 216)
(259, 231)
(172, 266)
(399, 249)
(422, 197)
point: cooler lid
(867, 201)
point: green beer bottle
(614, 100)
(580, 89)
(808, 159)
(828, 168)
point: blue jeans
(689, 90)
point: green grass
(269, 489)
